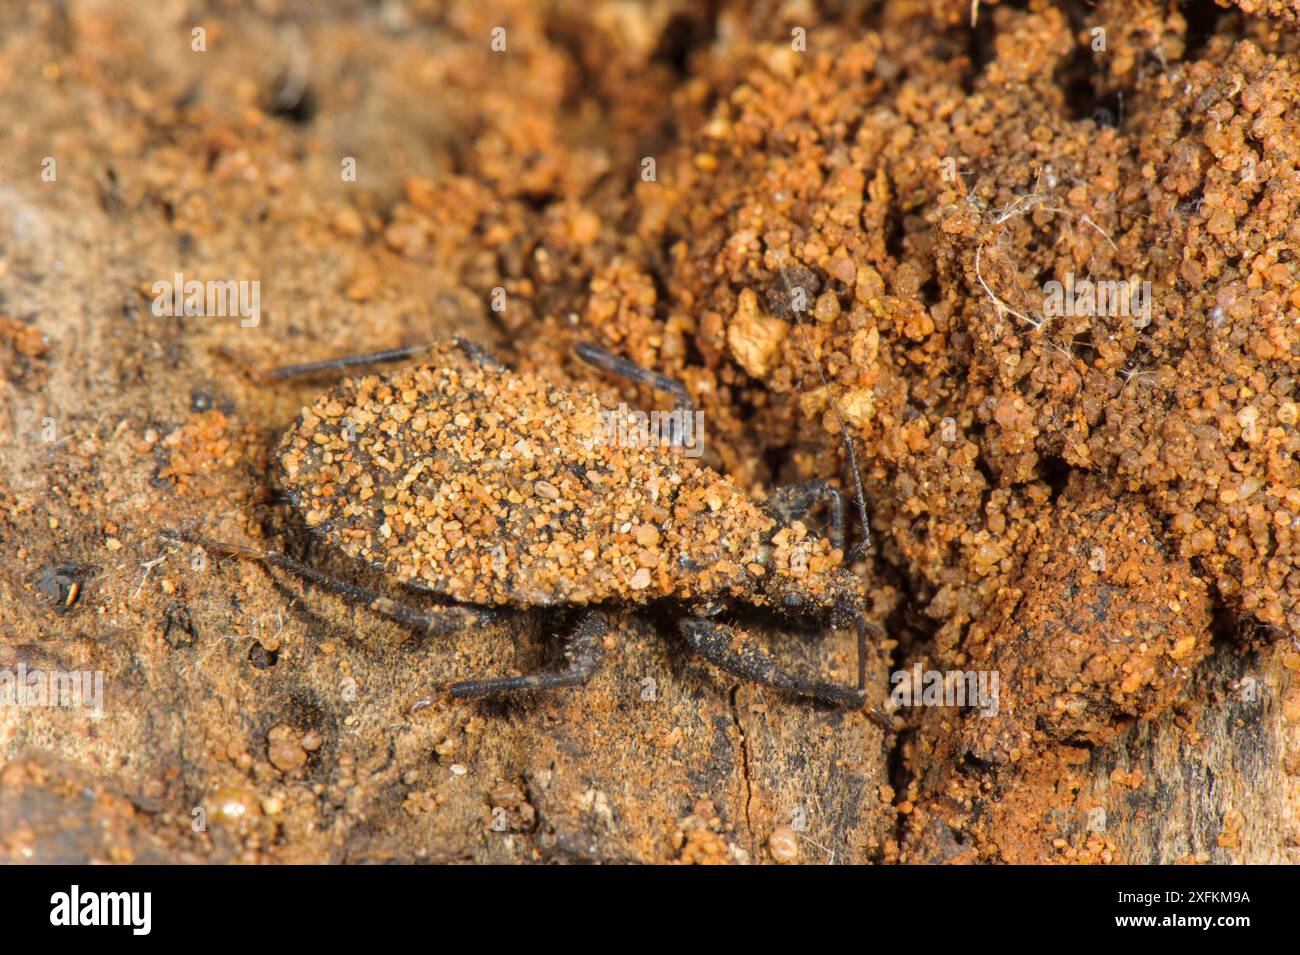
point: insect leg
(480, 355)
(583, 649)
(796, 501)
(718, 644)
(607, 361)
(439, 621)
(325, 366)
(473, 350)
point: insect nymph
(487, 489)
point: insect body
(488, 488)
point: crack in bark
(744, 768)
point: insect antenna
(860, 499)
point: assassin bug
(489, 489)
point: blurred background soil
(1105, 511)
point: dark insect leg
(308, 369)
(478, 354)
(607, 361)
(797, 501)
(439, 621)
(583, 649)
(325, 366)
(718, 644)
